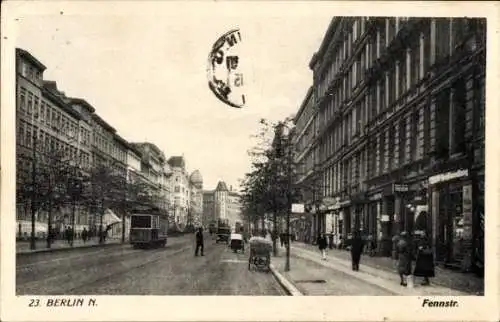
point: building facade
(196, 202)
(57, 132)
(221, 205)
(305, 160)
(50, 135)
(400, 135)
(186, 198)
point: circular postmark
(225, 76)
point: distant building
(196, 202)
(221, 204)
(186, 198)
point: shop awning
(110, 218)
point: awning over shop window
(110, 218)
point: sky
(146, 76)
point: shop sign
(400, 188)
(376, 196)
(298, 208)
(448, 176)
(384, 218)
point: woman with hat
(424, 263)
(404, 251)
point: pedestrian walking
(85, 235)
(199, 242)
(330, 240)
(404, 251)
(322, 245)
(67, 234)
(357, 246)
(424, 262)
(373, 245)
(282, 239)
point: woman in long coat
(404, 251)
(424, 263)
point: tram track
(78, 272)
(127, 269)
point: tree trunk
(101, 215)
(123, 227)
(274, 234)
(49, 224)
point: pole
(49, 224)
(34, 193)
(73, 205)
(101, 214)
(289, 201)
(124, 211)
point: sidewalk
(23, 247)
(469, 284)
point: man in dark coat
(404, 251)
(424, 263)
(357, 244)
(322, 245)
(199, 241)
(85, 235)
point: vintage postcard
(258, 161)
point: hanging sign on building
(375, 197)
(298, 208)
(224, 70)
(400, 187)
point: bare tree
(43, 185)
(108, 188)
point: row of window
(29, 136)
(404, 71)
(409, 139)
(31, 72)
(44, 114)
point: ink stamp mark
(225, 76)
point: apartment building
(53, 129)
(186, 195)
(305, 160)
(222, 204)
(400, 134)
(196, 202)
(48, 130)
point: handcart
(260, 254)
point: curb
(62, 249)
(285, 284)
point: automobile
(237, 243)
(223, 234)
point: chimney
(230, 188)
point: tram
(148, 227)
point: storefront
(372, 219)
(345, 219)
(451, 206)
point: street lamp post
(289, 200)
(34, 193)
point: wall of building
(399, 100)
